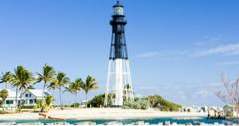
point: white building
(194, 108)
(230, 111)
(29, 98)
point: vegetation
(140, 103)
(75, 105)
(155, 101)
(6, 78)
(47, 76)
(75, 87)
(98, 101)
(128, 91)
(90, 84)
(60, 81)
(3, 96)
(159, 102)
(22, 80)
(46, 105)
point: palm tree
(75, 87)
(60, 81)
(6, 78)
(128, 92)
(3, 96)
(90, 84)
(49, 102)
(47, 76)
(46, 106)
(22, 79)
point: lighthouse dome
(118, 9)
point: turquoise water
(151, 121)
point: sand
(117, 113)
(100, 113)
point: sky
(177, 49)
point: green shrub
(136, 104)
(159, 102)
(75, 105)
(3, 96)
(45, 104)
(98, 101)
(27, 107)
(155, 101)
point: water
(149, 121)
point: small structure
(192, 109)
(217, 113)
(29, 98)
(204, 109)
(230, 111)
(188, 109)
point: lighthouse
(119, 84)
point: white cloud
(172, 54)
(229, 49)
(148, 54)
(207, 41)
(229, 63)
(202, 93)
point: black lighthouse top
(118, 44)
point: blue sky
(177, 49)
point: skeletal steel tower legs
(119, 83)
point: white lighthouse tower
(119, 84)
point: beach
(100, 113)
(116, 113)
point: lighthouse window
(118, 11)
(9, 102)
(119, 27)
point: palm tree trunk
(86, 99)
(76, 100)
(16, 98)
(21, 100)
(20, 104)
(43, 92)
(60, 97)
